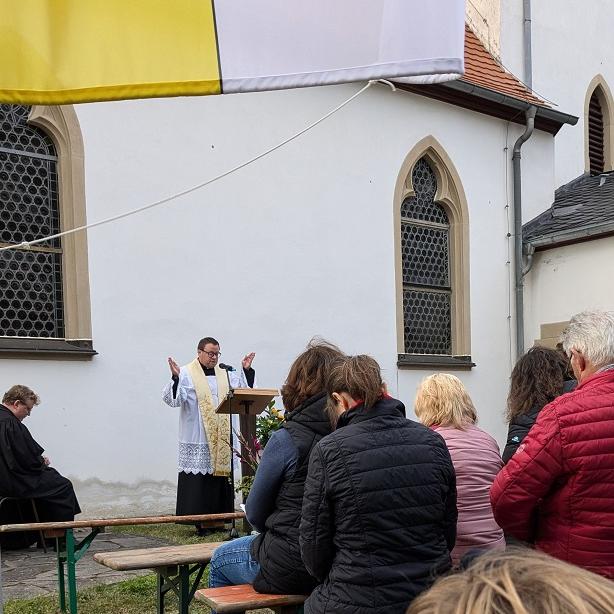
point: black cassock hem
(203, 493)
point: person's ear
(340, 400)
(581, 362)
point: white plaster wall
(537, 171)
(484, 16)
(512, 53)
(571, 43)
(299, 244)
(567, 280)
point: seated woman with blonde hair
(518, 581)
(443, 404)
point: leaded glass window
(31, 303)
(425, 258)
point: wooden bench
(69, 551)
(174, 566)
(241, 598)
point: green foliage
(270, 420)
(180, 534)
(267, 423)
(135, 596)
(244, 485)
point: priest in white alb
(203, 485)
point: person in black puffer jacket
(379, 509)
(538, 378)
(271, 560)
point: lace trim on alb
(194, 458)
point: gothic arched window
(44, 288)
(425, 261)
(598, 127)
(596, 135)
(31, 296)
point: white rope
(28, 244)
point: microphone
(226, 367)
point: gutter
(518, 264)
(509, 101)
(574, 235)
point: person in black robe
(25, 473)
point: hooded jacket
(379, 512)
(277, 548)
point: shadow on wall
(100, 499)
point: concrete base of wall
(100, 499)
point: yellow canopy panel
(64, 51)
(67, 51)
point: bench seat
(152, 558)
(243, 597)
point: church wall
(299, 244)
(571, 44)
(567, 280)
(484, 16)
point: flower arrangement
(267, 423)
(250, 453)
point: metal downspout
(527, 44)
(518, 264)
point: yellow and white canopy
(67, 51)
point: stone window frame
(60, 123)
(599, 86)
(451, 196)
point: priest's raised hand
(247, 361)
(174, 367)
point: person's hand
(174, 367)
(46, 461)
(247, 361)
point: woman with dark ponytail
(539, 377)
(379, 508)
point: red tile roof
(482, 69)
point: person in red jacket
(557, 491)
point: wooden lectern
(247, 403)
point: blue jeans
(232, 563)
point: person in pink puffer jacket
(443, 404)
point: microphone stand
(233, 533)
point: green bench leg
(160, 593)
(177, 578)
(184, 589)
(71, 564)
(61, 585)
(69, 553)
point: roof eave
(575, 235)
(484, 93)
(490, 102)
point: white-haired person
(443, 404)
(557, 490)
(518, 581)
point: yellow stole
(217, 427)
